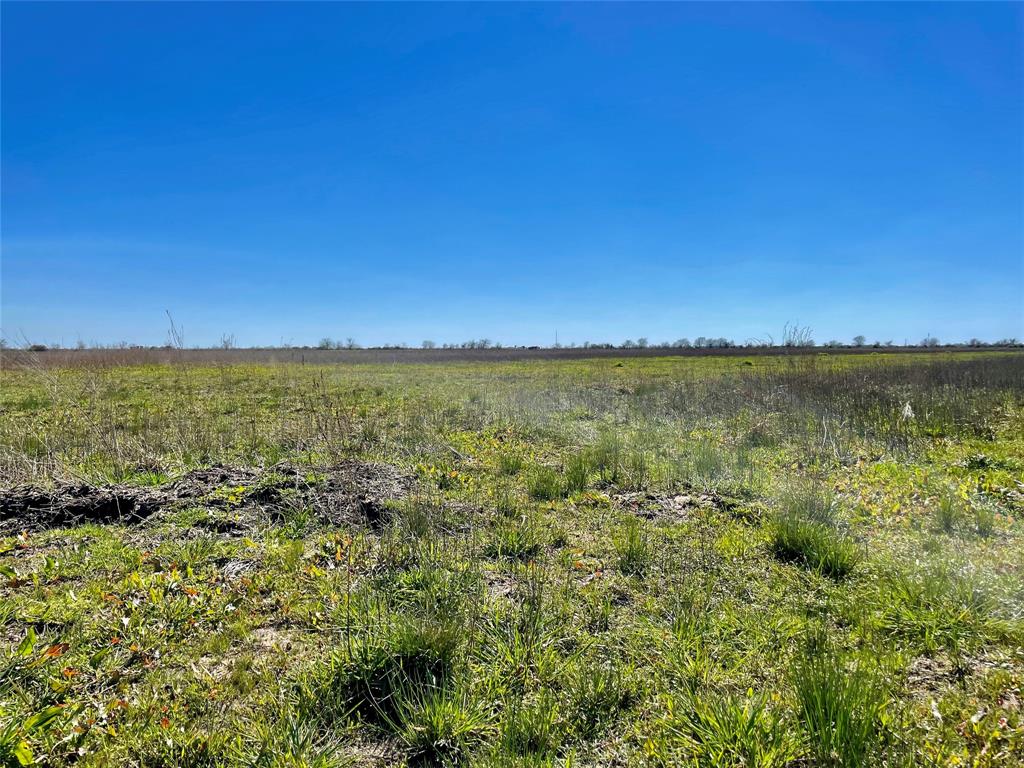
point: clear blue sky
(401, 172)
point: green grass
(806, 530)
(722, 731)
(841, 703)
(817, 546)
(644, 562)
(633, 548)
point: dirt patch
(32, 509)
(351, 491)
(11, 635)
(679, 506)
(500, 586)
(930, 675)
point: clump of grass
(417, 517)
(371, 677)
(719, 730)
(534, 728)
(520, 539)
(841, 703)
(638, 470)
(544, 484)
(433, 587)
(949, 511)
(289, 740)
(940, 606)
(818, 547)
(438, 726)
(633, 548)
(505, 502)
(707, 464)
(577, 474)
(805, 531)
(811, 501)
(511, 462)
(984, 512)
(597, 693)
(606, 457)
(521, 643)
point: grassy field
(813, 560)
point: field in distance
(594, 558)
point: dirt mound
(667, 505)
(27, 507)
(352, 491)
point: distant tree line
(793, 337)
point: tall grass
(841, 702)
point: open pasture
(812, 560)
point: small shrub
(633, 548)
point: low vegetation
(808, 560)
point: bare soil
(351, 491)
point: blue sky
(400, 172)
